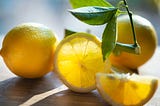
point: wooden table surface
(48, 90)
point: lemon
(125, 89)
(146, 37)
(121, 69)
(78, 58)
(28, 50)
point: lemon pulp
(125, 89)
(77, 59)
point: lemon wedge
(126, 89)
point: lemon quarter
(125, 89)
(78, 58)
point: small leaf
(109, 37)
(84, 3)
(94, 15)
(68, 32)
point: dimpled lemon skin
(146, 37)
(28, 50)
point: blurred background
(54, 14)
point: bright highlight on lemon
(125, 89)
(28, 50)
(77, 59)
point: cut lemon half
(77, 59)
(125, 89)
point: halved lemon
(77, 59)
(126, 89)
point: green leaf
(94, 15)
(109, 37)
(83, 3)
(68, 32)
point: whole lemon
(146, 37)
(28, 50)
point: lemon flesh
(77, 59)
(126, 90)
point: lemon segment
(77, 59)
(125, 89)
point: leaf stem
(132, 25)
(130, 48)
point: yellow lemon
(78, 58)
(28, 50)
(146, 37)
(125, 89)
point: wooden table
(16, 91)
